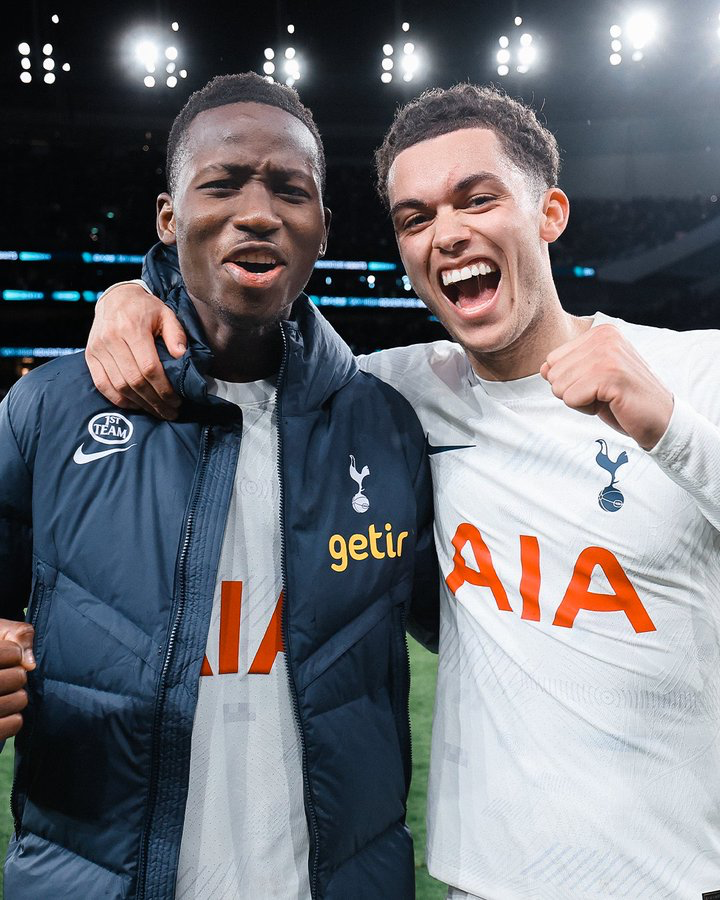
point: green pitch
(422, 694)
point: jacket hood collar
(316, 362)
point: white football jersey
(576, 736)
(245, 835)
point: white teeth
(450, 276)
(255, 257)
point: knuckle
(136, 381)
(148, 368)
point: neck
(524, 355)
(242, 351)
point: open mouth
(472, 286)
(256, 268)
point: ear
(165, 219)
(328, 218)
(555, 214)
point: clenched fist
(16, 660)
(600, 373)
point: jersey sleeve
(689, 454)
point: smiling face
(473, 232)
(246, 213)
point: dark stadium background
(81, 160)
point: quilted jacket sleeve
(15, 518)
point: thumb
(172, 333)
(21, 633)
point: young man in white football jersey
(576, 461)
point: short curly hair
(439, 111)
(246, 87)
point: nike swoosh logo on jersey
(81, 458)
(444, 448)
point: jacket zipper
(409, 682)
(314, 836)
(162, 687)
(13, 792)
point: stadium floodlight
(66, 67)
(183, 73)
(156, 54)
(49, 78)
(24, 49)
(516, 52)
(25, 77)
(409, 61)
(283, 65)
(641, 29)
(147, 53)
(48, 64)
(25, 62)
(47, 49)
(55, 19)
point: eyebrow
(238, 170)
(458, 188)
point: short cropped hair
(247, 87)
(439, 111)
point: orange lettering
(271, 644)
(485, 576)
(230, 607)
(205, 668)
(530, 581)
(625, 598)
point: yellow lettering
(401, 538)
(357, 544)
(388, 541)
(338, 551)
(374, 549)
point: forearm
(689, 454)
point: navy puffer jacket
(111, 524)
